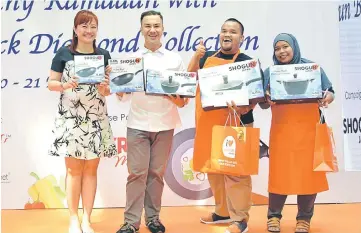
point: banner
(32, 32)
(350, 52)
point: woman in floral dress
(82, 132)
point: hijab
(297, 59)
(292, 41)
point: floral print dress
(82, 129)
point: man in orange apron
(232, 194)
(292, 140)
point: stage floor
(328, 219)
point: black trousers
(305, 205)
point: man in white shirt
(150, 128)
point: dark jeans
(305, 205)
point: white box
(89, 68)
(235, 81)
(169, 82)
(127, 75)
(295, 82)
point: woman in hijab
(292, 138)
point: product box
(89, 68)
(126, 75)
(300, 82)
(240, 81)
(171, 82)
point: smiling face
(152, 29)
(86, 30)
(283, 52)
(230, 37)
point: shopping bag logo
(235, 150)
(229, 147)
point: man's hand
(120, 94)
(201, 50)
(180, 102)
(242, 109)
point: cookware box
(169, 82)
(240, 81)
(296, 82)
(89, 68)
(126, 75)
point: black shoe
(127, 228)
(155, 226)
(237, 226)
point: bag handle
(322, 108)
(322, 116)
(236, 116)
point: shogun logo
(187, 75)
(244, 67)
(93, 58)
(131, 61)
(313, 67)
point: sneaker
(237, 227)
(127, 228)
(214, 218)
(155, 226)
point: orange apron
(205, 120)
(292, 141)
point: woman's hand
(108, 70)
(71, 83)
(326, 100)
(268, 98)
(105, 81)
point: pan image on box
(295, 82)
(169, 82)
(126, 75)
(224, 83)
(89, 68)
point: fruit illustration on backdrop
(46, 193)
(35, 205)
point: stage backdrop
(32, 31)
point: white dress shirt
(154, 113)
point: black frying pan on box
(86, 72)
(124, 78)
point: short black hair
(235, 20)
(151, 12)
